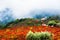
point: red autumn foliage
(19, 33)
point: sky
(25, 8)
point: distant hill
(6, 16)
(44, 13)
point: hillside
(51, 20)
(19, 28)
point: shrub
(52, 22)
(39, 36)
(58, 24)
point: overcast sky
(23, 8)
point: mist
(30, 8)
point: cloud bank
(6, 16)
(25, 8)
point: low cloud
(24, 8)
(6, 15)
